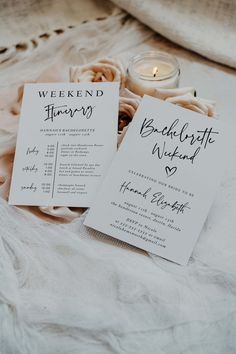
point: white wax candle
(150, 70)
(154, 68)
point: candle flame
(155, 71)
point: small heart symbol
(170, 171)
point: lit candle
(150, 70)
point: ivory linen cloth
(67, 289)
(207, 27)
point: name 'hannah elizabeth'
(157, 198)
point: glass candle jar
(150, 70)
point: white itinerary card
(66, 140)
(162, 181)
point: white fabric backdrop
(65, 289)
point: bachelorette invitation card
(161, 183)
(67, 137)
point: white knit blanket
(66, 289)
(207, 27)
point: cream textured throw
(65, 289)
(207, 27)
